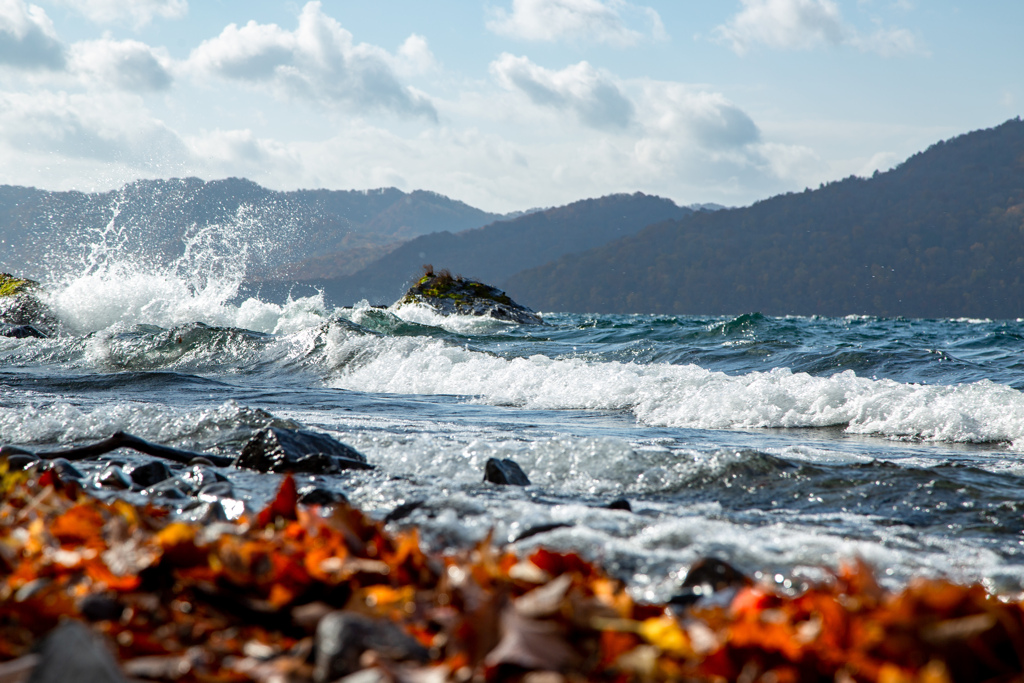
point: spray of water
(123, 277)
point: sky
(504, 104)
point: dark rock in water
(404, 510)
(276, 449)
(21, 307)
(150, 473)
(506, 472)
(620, 504)
(113, 477)
(540, 529)
(21, 331)
(450, 295)
(342, 638)
(315, 495)
(198, 476)
(706, 577)
(64, 469)
(170, 489)
(216, 489)
(100, 608)
(71, 652)
(21, 461)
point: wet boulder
(21, 310)
(149, 474)
(317, 495)
(276, 449)
(506, 472)
(708, 577)
(21, 331)
(456, 295)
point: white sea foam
(683, 395)
(461, 324)
(62, 422)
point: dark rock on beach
(451, 295)
(506, 472)
(276, 449)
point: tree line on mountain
(941, 235)
(496, 251)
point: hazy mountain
(494, 252)
(941, 235)
(156, 219)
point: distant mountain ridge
(940, 235)
(497, 251)
(344, 229)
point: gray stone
(71, 652)
(276, 449)
(506, 472)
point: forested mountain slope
(496, 251)
(941, 235)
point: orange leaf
(284, 503)
(80, 525)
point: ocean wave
(683, 395)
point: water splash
(123, 280)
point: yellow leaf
(665, 633)
(175, 534)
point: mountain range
(313, 232)
(940, 235)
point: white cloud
(415, 57)
(318, 61)
(137, 12)
(581, 88)
(703, 118)
(784, 24)
(889, 42)
(804, 25)
(589, 20)
(27, 37)
(125, 64)
(105, 128)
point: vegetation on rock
(11, 285)
(448, 294)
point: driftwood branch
(122, 440)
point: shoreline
(249, 600)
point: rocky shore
(321, 592)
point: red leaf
(283, 505)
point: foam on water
(683, 395)
(460, 324)
(61, 422)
